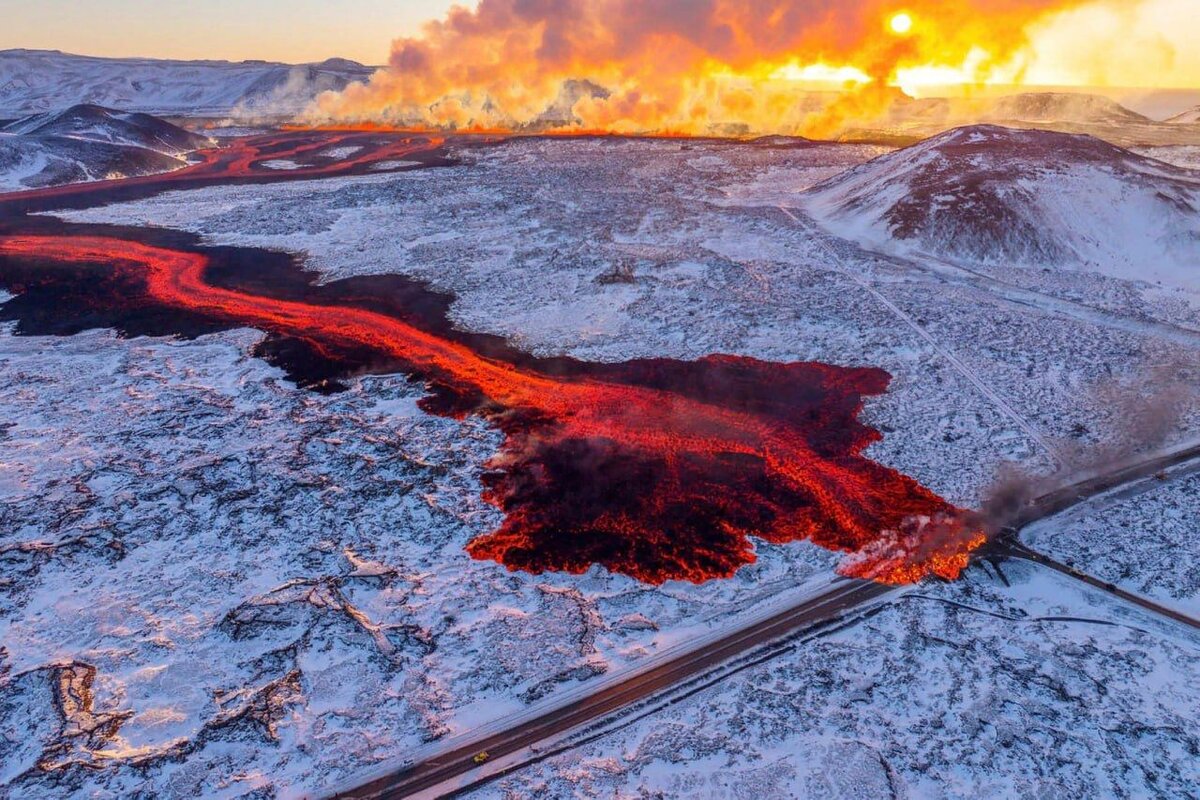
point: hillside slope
(989, 194)
(88, 143)
(97, 124)
(34, 81)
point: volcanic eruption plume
(684, 66)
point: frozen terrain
(997, 195)
(1144, 540)
(244, 584)
(33, 81)
(267, 589)
(89, 143)
(1066, 112)
(1024, 686)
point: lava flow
(656, 469)
(268, 158)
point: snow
(509, 234)
(281, 163)
(1185, 156)
(1143, 540)
(33, 81)
(385, 166)
(997, 196)
(29, 161)
(88, 143)
(270, 586)
(1189, 117)
(341, 153)
(1018, 686)
(226, 551)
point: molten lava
(313, 153)
(657, 469)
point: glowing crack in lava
(656, 469)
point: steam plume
(685, 66)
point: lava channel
(657, 469)
(307, 154)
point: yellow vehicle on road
(481, 757)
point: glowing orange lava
(243, 160)
(640, 472)
(657, 469)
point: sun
(901, 24)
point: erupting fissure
(657, 469)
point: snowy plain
(268, 589)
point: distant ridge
(1190, 117)
(36, 81)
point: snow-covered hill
(1189, 117)
(27, 163)
(97, 124)
(907, 118)
(87, 143)
(33, 81)
(1023, 197)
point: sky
(273, 30)
(651, 46)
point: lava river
(657, 469)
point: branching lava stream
(657, 469)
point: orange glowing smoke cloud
(682, 65)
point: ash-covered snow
(319, 613)
(1026, 687)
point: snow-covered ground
(237, 585)
(1146, 540)
(1026, 687)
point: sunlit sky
(1151, 43)
(274, 30)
